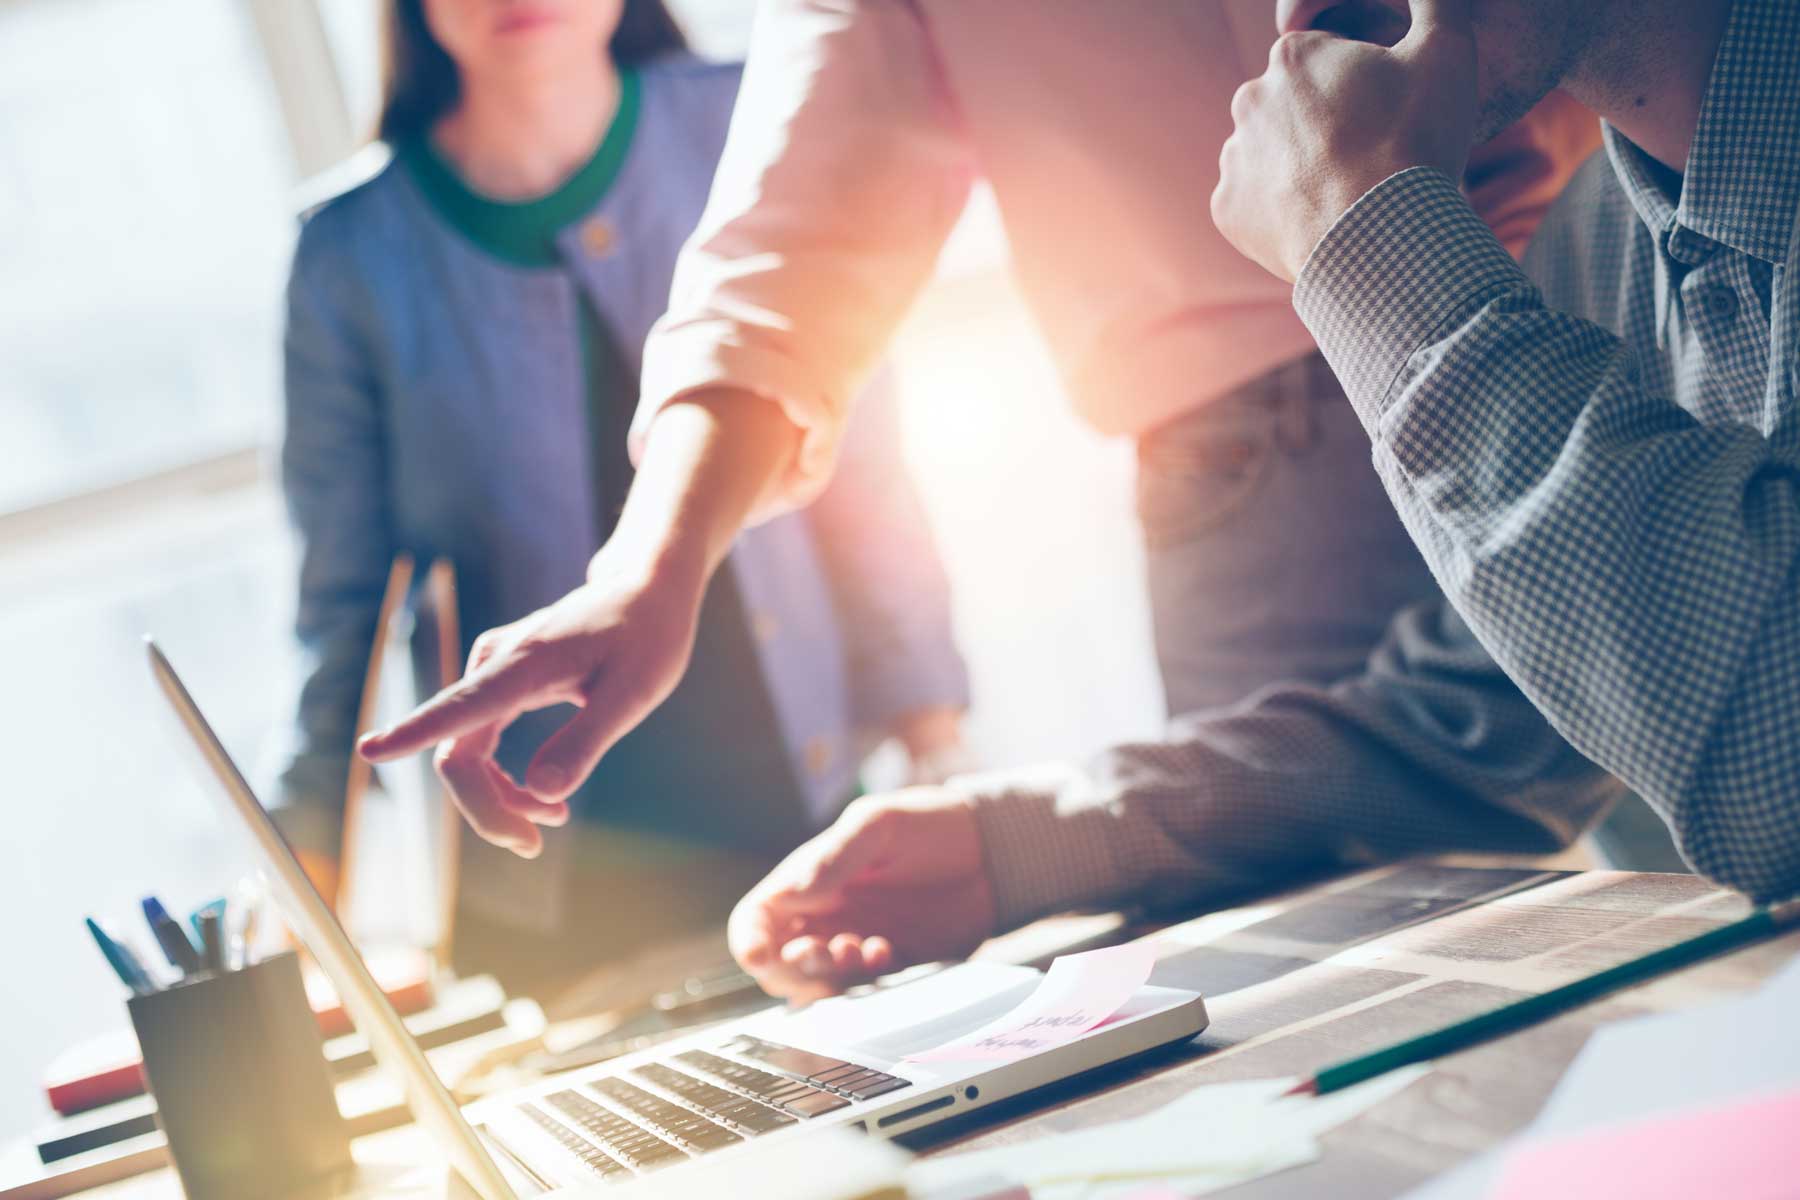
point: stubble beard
(1547, 46)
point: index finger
(493, 695)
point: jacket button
(597, 237)
(818, 756)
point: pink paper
(1743, 1151)
(1078, 992)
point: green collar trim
(525, 232)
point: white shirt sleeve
(844, 171)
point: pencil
(1517, 1015)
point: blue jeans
(1273, 552)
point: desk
(1332, 970)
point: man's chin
(1499, 111)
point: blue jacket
(435, 404)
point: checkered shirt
(1604, 474)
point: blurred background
(153, 157)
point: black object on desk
(242, 1089)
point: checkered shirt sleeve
(1631, 565)
(1428, 748)
(1605, 487)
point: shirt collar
(1652, 188)
(1742, 185)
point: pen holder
(242, 1089)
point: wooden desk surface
(1333, 970)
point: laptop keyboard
(667, 1111)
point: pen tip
(1306, 1087)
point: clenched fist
(1331, 118)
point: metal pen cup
(243, 1092)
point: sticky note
(1078, 993)
(1741, 1150)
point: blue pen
(123, 962)
(175, 945)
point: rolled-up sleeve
(844, 171)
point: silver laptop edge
(430, 1102)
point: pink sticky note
(1742, 1151)
(1078, 992)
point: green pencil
(1759, 924)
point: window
(143, 182)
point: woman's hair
(419, 80)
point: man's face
(1525, 47)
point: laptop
(777, 1074)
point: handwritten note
(1078, 993)
(1743, 1150)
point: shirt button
(1719, 303)
(597, 237)
(764, 626)
(818, 756)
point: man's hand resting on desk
(615, 647)
(899, 879)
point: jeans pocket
(1199, 470)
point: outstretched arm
(1429, 749)
(617, 645)
(842, 174)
